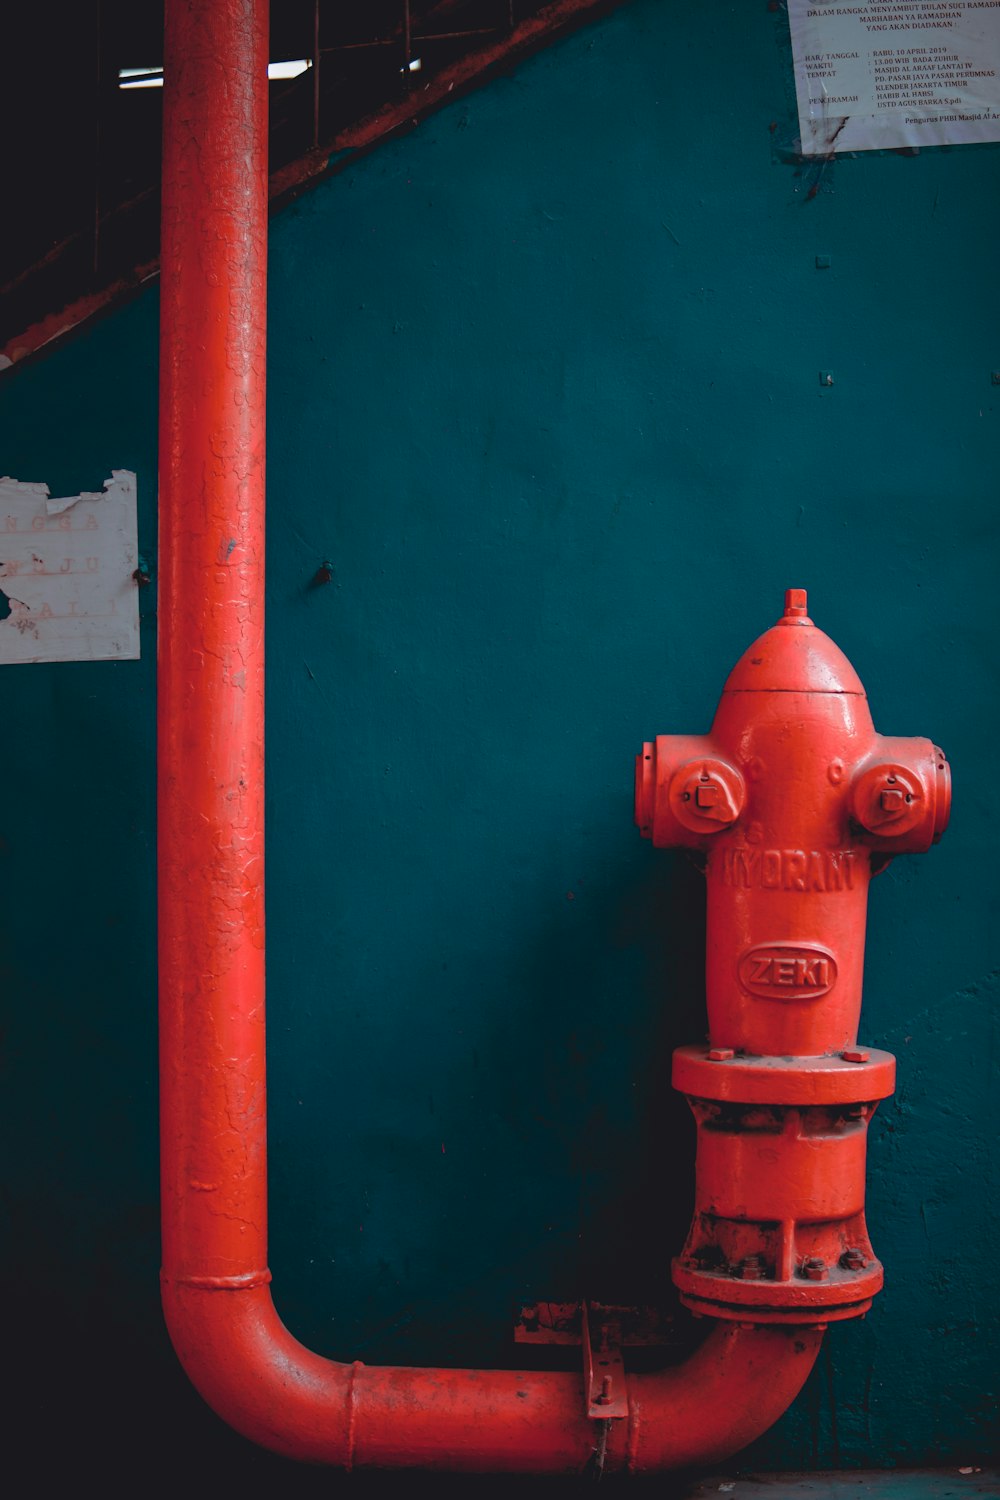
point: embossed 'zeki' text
(789, 869)
(788, 971)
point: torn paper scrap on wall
(66, 587)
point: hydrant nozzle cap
(794, 657)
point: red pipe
(211, 887)
(266, 1385)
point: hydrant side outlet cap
(794, 657)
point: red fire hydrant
(796, 802)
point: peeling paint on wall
(67, 591)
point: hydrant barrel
(795, 802)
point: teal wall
(544, 386)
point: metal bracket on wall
(601, 1330)
(603, 1366)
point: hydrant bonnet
(794, 657)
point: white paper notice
(66, 587)
(900, 73)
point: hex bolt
(853, 1260)
(720, 1054)
(604, 1399)
(855, 1055)
(751, 1268)
(814, 1268)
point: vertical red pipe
(211, 854)
(211, 637)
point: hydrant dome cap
(794, 657)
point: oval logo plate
(787, 971)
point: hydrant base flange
(721, 1292)
(779, 1234)
(811, 1316)
(744, 1079)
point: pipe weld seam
(243, 1282)
(352, 1411)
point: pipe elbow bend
(730, 1391)
(245, 1364)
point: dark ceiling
(82, 157)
